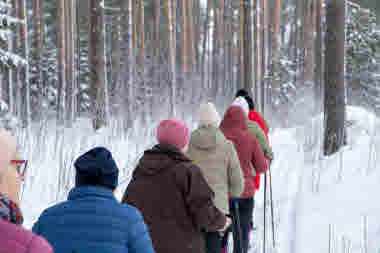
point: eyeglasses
(21, 166)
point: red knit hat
(173, 132)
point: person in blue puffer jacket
(92, 220)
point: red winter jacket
(256, 117)
(234, 126)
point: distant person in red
(254, 115)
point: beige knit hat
(208, 115)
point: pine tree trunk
(38, 45)
(24, 71)
(183, 37)
(197, 33)
(116, 50)
(255, 52)
(275, 47)
(61, 38)
(263, 40)
(69, 59)
(215, 47)
(247, 46)
(127, 61)
(12, 45)
(318, 58)
(205, 42)
(141, 56)
(309, 42)
(190, 35)
(96, 63)
(171, 34)
(334, 76)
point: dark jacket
(235, 127)
(93, 221)
(175, 200)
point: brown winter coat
(235, 128)
(218, 160)
(174, 199)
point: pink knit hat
(173, 132)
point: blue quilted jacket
(93, 221)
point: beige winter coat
(219, 162)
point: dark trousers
(245, 214)
(213, 242)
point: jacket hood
(158, 159)
(234, 118)
(206, 138)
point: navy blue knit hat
(97, 168)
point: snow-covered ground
(319, 199)
(315, 199)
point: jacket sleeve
(39, 245)
(37, 226)
(258, 159)
(198, 198)
(139, 240)
(235, 173)
(256, 131)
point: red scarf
(9, 211)
(256, 117)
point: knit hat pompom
(242, 103)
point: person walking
(219, 163)
(13, 237)
(92, 220)
(172, 194)
(235, 127)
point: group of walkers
(184, 194)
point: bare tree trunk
(263, 54)
(116, 50)
(96, 63)
(127, 60)
(61, 37)
(69, 59)
(309, 30)
(38, 44)
(334, 76)
(205, 42)
(247, 46)
(190, 35)
(141, 57)
(184, 37)
(12, 46)
(197, 33)
(275, 47)
(256, 52)
(171, 24)
(24, 72)
(318, 57)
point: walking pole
(265, 201)
(271, 204)
(236, 228)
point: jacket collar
(90, 191)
